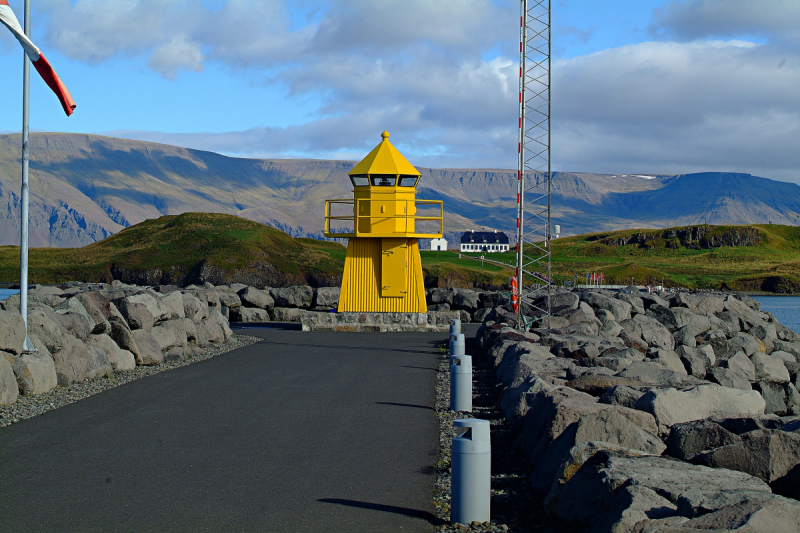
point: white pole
(23, 245)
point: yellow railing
(356, 204)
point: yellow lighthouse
(382, 270)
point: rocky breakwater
(655, 412)
(245, 303)
(87, 330)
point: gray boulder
(690, 438)
(716, 339)
(173, 301)
(222, 323)
(327, 297)
(149, 348)
(119, 359)
(621, 310)
(654, 374)
(123, 337)
(35, 372)
(671, 406)
(710, 305)
(299, 297)
(637, 304)
(745, 314)
(664, 316)
(287, 314)
(742, 424)
(693, 490)
(631, 505)
(740, 363)
(94, 313)
(654, 333)
(71, 361)
(769, 368)
(696, 362)
(768, 454)
(729, 377)
(686, 317)
(193, 308)
(99, 364)
(253, 314)
(9, 391)
(171, 336)
(604, 425)
(76, 324)
(685, 336)
(755, 513)
(519, 396)
(137, 310)
(41, 325)
(728, 323)
(466, 299)
(743, 342)
(774, 395)
(563, 302)
(229, 299)
(622, 396)
(12, 332)
(667, 359)
(438, 296)
(787, 346)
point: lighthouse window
(384, 180)
(360, 180)
(408, 181)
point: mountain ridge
(87, 187)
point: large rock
(148, 347)
(696, 362)
(229, 299)
(71, 361)
(466, 299)
(254, 298)
(768, 454)
(46, 328)
(769, 368)
(620, 309)
(693, 490)
(253, 314)
(598, 385)
(687, 318)
(299, 297)
(193, 308)
(690, 438)
(519, 397)
(710, 305)
(12, 332)
(222, 322)
(138, 311)
(743, 342)
(9, 391)
(730, 377)
(652, 332)
(171, 335)
(667, 359)
(123, 337)
(99, 362)
(654, 374)
(671, 406)
(774, 395)
(604, 425)
(94, 313)
(287, 314)
(119, 359)
(664, 316)
(744, 313)
(755, 513)
(35, 372)
(621, 395)
(174, 303)
(74, 305)
(740, 363)
(101, 301)
(631, 505)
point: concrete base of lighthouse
(382, 276)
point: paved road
(300, 432)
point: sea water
(5, 293)
(785, 308)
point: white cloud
(176, 55)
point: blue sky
(645, 86)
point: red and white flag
(44, 69)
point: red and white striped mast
(534, 175)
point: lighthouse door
(394, 268)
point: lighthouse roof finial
(384, 159)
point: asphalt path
(299, 432)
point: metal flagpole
(23, 245)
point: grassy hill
(223, 249)
(762, 257)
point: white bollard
(455, 326)
(461, 383)
(457, 345)
(471, 479)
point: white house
(484, 241)
(438, 245)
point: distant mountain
(85, 187)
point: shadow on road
(425, 515)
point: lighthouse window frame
(408, 181)
(383, 180)
(360, 180)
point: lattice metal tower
(534, 175)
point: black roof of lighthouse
(484, 237)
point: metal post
(457, 345)
(23, 245)
(455, 326)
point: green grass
(193, 240)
